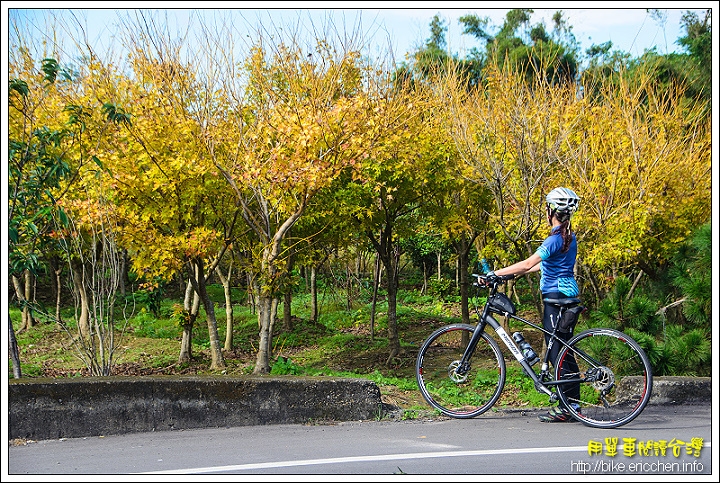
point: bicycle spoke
(617, 378)
(460, 391)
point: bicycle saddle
(563, 302)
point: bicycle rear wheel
(460, 392)
(616, 378)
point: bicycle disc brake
(602, 378)
(458, 372)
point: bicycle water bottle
(530, 356)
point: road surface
(511, 443)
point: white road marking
(360, 459)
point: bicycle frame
(461, 369)
(542, 380)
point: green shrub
(285, 366)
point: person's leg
(569, 368)
(550, 318)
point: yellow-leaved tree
(296, 118)
(511, 131)
(390, 185)
(641, 160)
(56, 137)
(177, 211)
(637, 154)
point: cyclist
(555, 259)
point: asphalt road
(498, 444)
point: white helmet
(563, 200)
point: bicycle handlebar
(486, 281)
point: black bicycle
(461, 371)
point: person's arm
(530, 264)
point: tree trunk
(423, 291)
(186, 341)
(262, 362)
(273, 318)
(24, 295)
(266, 301)
(439, 265)
(462, 247)
(30, 297)
(377, 275)
(56, 283)
(287, 295)
(287, 311)
(228, 306)
(268, 281)
(218, 361)
(58, 295)
(392, 277)
(78, 282)
(634, 285)
(251, 291)
(191, 305)
(14, 350)
(313, 294)
(390, 257)
(20, 294)
(457, 273)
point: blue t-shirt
(557, 268)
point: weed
(285, 366)
(338, 344)
(409, 414)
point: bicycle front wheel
(615, 378)
(455, 389)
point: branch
(634, 285)
(662, 310)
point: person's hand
(480, 280)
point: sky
(631, 29)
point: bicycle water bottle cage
(564, 302)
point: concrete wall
(681, 390)
(69, 408)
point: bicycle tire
(617, 378)
(444, 387)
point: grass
(339, 344)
